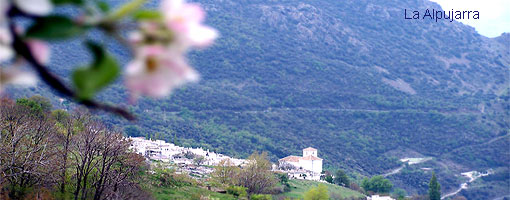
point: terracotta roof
(310, 157)
(291, 159)
(309, 149)
(297, 158)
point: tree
(434, 188)
(399, 193)
(355, 187)
(225, 172)
(257, 175)
(43, 151)
(341, 178)
(377, 184)
(189, 155)
(317, 193)
(284, 180)
(43, 102)
(328, 178)
(199, 160)
(285, 166)
(65, 124)
(28, 150)
(34, 107)
(85, 152)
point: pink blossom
(185, 20)
(156, 71)
(40, 50)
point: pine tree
(434, 188)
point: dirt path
(472, 175)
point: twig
(53, 81)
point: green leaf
(147, 15)
(103, 6)
(60, 2)
(104, 70)
(54, 27)
(126, 9)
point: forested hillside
(353, 79)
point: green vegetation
(377, 184)
(261, 197)
(290, 74)
(317, 193)
(188, 192)
(237, 191)
(341, 178)
(495, 183)
(166, 184)
(298, 189)
(434, 188)
(328, 178)
(54, 154)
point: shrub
(317, 193)
(238, 191)
(261, 197)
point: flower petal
(171, 71)
(202, 36)
(6, 53)
(40, 50)
(35, 7)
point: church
(309, 161)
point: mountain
(354, 79)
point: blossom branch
(53, 81)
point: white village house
(308, 166)
(168, 152)
(309, 163)
(377, 197)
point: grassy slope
(299, 187)
(187, 192)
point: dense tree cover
(290, 74)
(434, 188)
(377, 184)
(62, 155)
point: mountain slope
(354, 79)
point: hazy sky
(494, 14)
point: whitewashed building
(167, 152)
(377, 197)
(308, 162)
